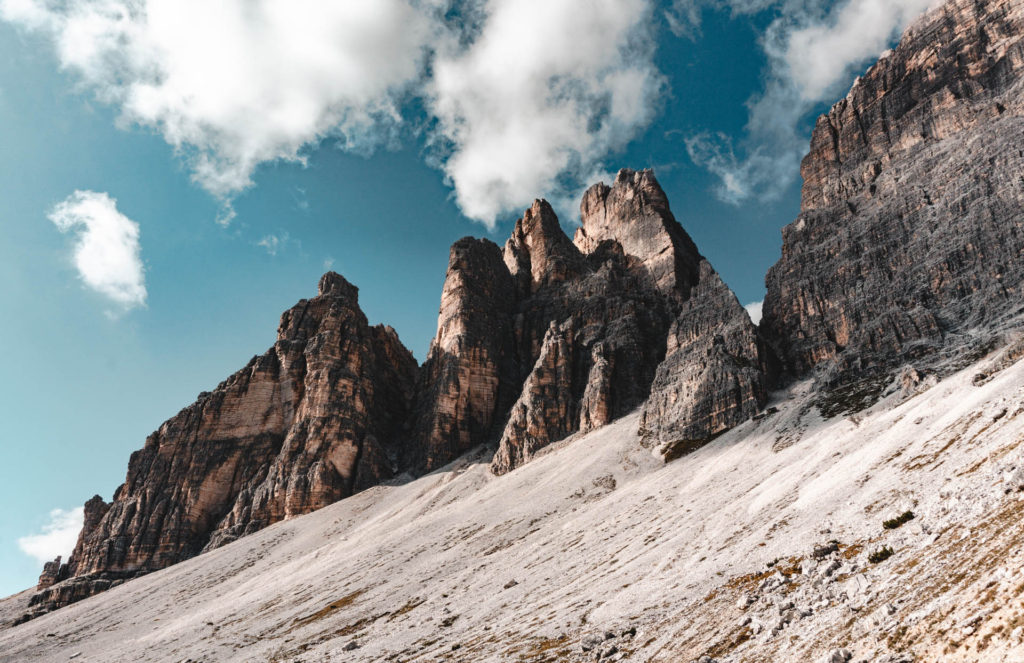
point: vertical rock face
(466, 381)
(713, 375)
(911, 230)
(634, 212)
(313, 420)
(547, 410)
(635, 305)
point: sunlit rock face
(909, 242)
(466, 381)
(314, 419)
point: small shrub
(899, 520)
(880, 555)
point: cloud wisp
(814, 49)
(107, 253)
(518, 98)
(755, 310)
(56, 537)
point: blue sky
(436, 134)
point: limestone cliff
(909, 242)
(595, 320)
(535, 342)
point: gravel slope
(598, 537)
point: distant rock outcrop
(910, 239)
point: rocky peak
(634, 212)
(333, 284)
(533, 344)
(466, 382)
(539, 252)
(316, 418)
(592, 343)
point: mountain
(314, 419)
(536, 341)
(752, 548)
(602, 457)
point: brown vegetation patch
(330, 608)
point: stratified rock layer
(713, 376)
(911, 232)
(313, 420)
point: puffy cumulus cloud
(107, 251)
(56, 537)
(814, 48)
(522, 97)
(232, 84)
(544, 91)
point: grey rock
(911, 228)
(591, 641)
(821, 552)
(838, 656)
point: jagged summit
(539, 253)
(334, 284)
(634, 212)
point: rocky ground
(757, 547)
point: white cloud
(818, 57)
(235, 83)
(814, 51)
(523, 98)
(545, 90)
(273, 243)
(107, 250)
(754, 311)
(57, 537)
